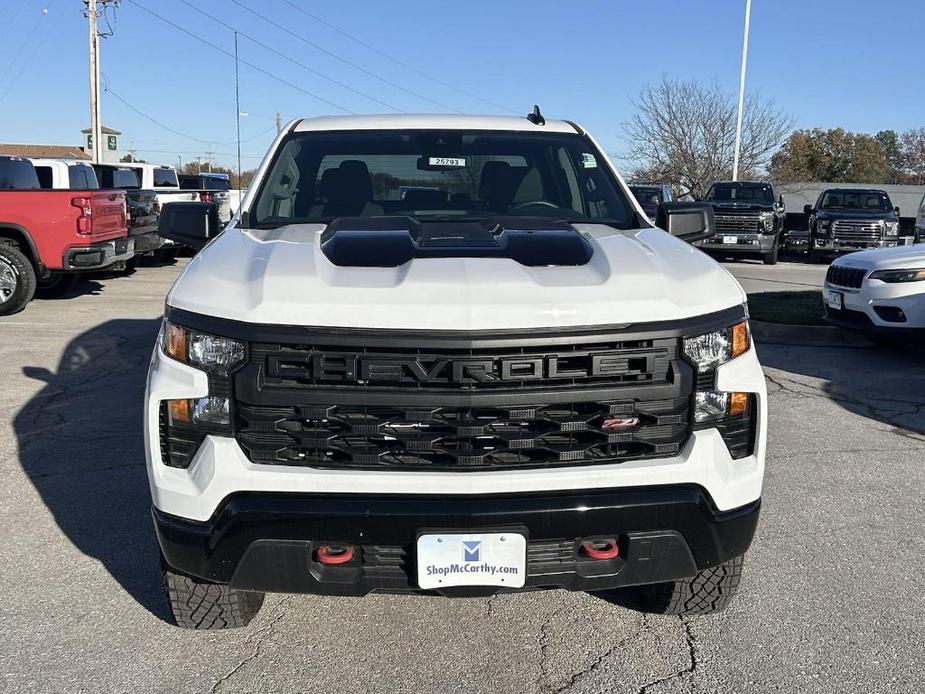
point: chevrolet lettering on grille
(322, 367)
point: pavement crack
(258, 639)
(687, 671)
(576, 677)
(490, 605)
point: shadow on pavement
(80, 442)
(883, 383)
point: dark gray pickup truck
(850, 219)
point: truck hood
(897, 258)
(873, 215)
(744, 206)
(280, 276)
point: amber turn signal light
(738, 404)
(178, 411)
(740, 339)
(175, 345)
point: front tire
(770, 258)
(17, 280)
(208, 606)
(708, 592)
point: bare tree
(912, 148)
(683, 133)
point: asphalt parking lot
(832, 598)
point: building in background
(43, 151)
(110, 149)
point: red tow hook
(601, 549)
(331, 555)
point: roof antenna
(536, 117)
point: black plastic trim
(453, 339)
(264, 541)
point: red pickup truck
(47, 237)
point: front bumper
(96, 256)
(871, 308)
(832, 247)
(743, 243)
(266, 542)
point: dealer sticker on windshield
(588, 160)
(472, 559)
(456, 162)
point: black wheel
(57, 285)
(17, 280)
(167, 254)
(770, 258)
(208, 606)
(709, 591)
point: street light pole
(738, 143)
(237, 104)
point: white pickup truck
(504, 378)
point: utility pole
(738, 144)
(237, 104)
(96, 129)
(279, 124)
(209, 158)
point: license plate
(835, 299)
(471, 559)
(733, 240)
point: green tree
(889, 140)
(912, 146)
(835, 155)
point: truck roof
(408, 121)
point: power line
(343, 60)
(158, 123)
(290, 59)
(243, 62)
(38, 42)
(395, 60)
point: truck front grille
(850, 277)
(491, 403)
(463, 438)
(853, 231)
(737, 223)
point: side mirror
(896, 210)
(780, 200)
(807, 209)
(193, 224)
(690, 221)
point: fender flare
(35, 257)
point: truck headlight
(711, 349)
(896, 276)
(892, 228)
(823, 226)
(204, 351)
(731, 413)
(185, 423)
(767, 220)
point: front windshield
(438, 175)
(649, 197)
(741, 192)
(856, 200)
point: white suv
(880, 293)
(450, 354)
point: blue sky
(826, 62)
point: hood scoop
(393, 241)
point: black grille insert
(845, 276)
(463, 438)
